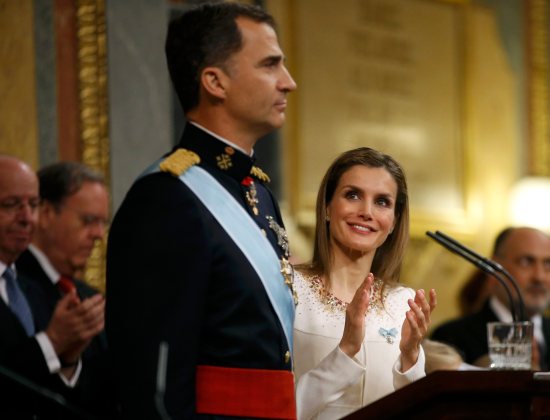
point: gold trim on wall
(93, 100)
(538, 97)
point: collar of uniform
(211, 151)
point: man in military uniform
(199, 301)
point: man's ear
(214, 82)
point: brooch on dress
(389, 335)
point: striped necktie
(18, 302)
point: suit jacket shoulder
(467, 334)
(94, 388)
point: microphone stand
(497, 267)
(25, 397)
(161, 381)
(480, 262)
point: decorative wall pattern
(538, 96)
(93, 98)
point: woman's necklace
(335, 304)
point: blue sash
(247, 236)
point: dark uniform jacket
(94, 391)
(468, 334)
(21, 357)
(175, 276)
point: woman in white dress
(347, 355)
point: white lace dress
(330, 384)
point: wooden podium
(466, 395)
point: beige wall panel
(449, 115)
(18, 131)
(388, 76)
(492, 164)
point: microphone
(161, 381)
(488, 266)
(497, 267)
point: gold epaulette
(179, 161)
(258, 173)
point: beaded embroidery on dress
(334, 304)
(323, 310)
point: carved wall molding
(93, 101)
(538, 97)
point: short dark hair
(205, 35)
(63, 179)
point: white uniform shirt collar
(45, 263)
(233, 145)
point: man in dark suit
(36, 351)
(197, 253)
(72, 217)
(525, 253)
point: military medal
(287, 272)
(280, 232)
(251, 194)
(224, 161)
(286, 267)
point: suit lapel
(10, 325)
(39, 289)
(29, 265)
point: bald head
(525, 253)
(18, 207)
(9, 164)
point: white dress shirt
(504, 315)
